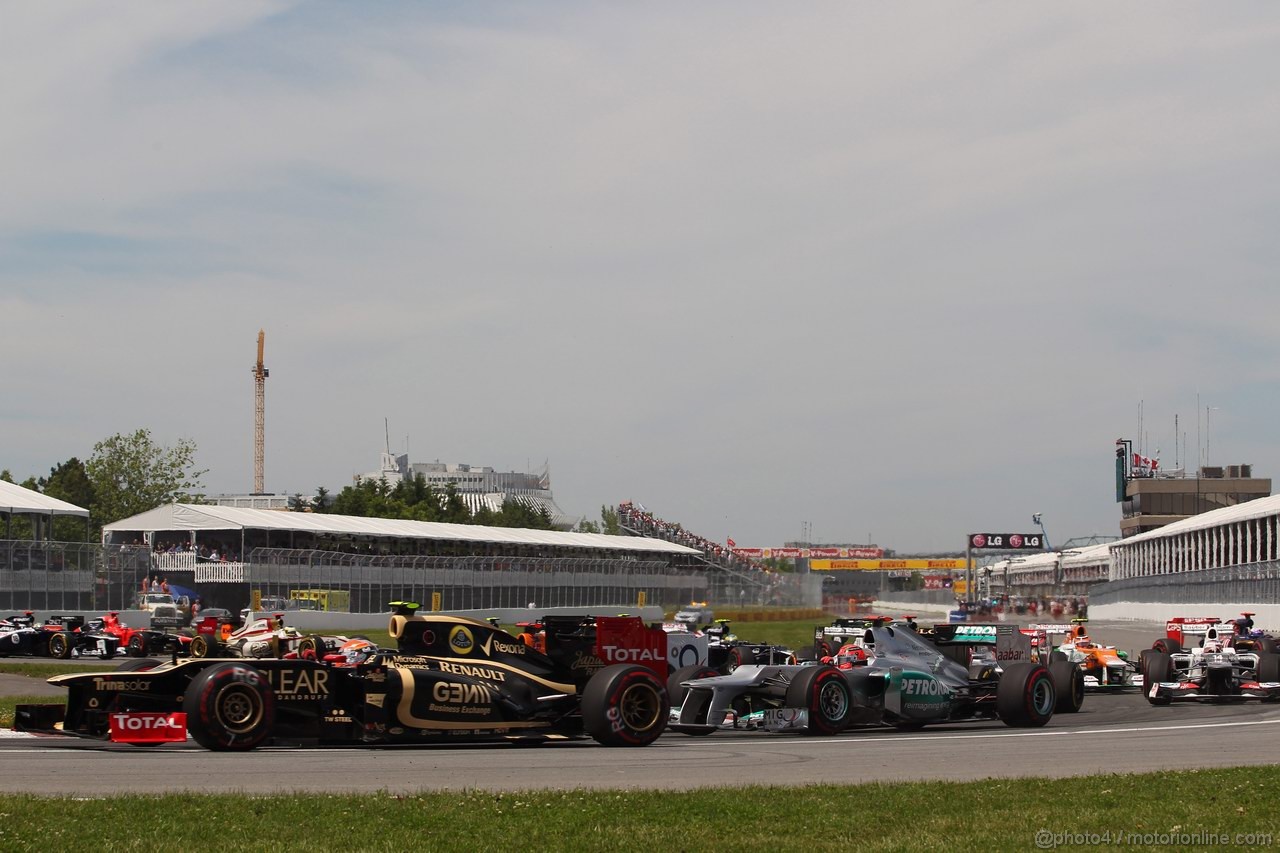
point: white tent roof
(1087, 556)
(1247, 511)
(183, 517)
(16, 499)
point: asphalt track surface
(1112, 733)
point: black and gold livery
(450, 678)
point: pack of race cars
(618, 680)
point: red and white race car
(1198, 659)
(268, 637)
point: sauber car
(450, 678)
(907, 681)
(1213, 669)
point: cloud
(893, 270)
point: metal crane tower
(260, 374)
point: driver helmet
(851, 656)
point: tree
(609, 521)
(69, 482)
(586, 525)
(130, 474)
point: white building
(477, 485)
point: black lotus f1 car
(450, 679)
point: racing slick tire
(1266, 644)
(1159, 668)
(203, 647)
(60, 645)
(824, 691)
(1068, 683)
(738, 656)
(1268, 669)
(1143, 657)
(1056, 655)
(138, 665)
(675, 692)
(312, 647)
(1025, 697)
(1168, 645)
(229, 706)
(137, 646)
(625, 705)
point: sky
(850, 272)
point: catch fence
(91, 577)
(1252, 583)
(70, 575)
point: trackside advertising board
(886, 565)
(1007, 541)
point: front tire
(1025, 697)
(137, 646)
(1068, 683)
(625, 705)
(676, 692)
(824, 691)
(1159, 668)
(229, 707)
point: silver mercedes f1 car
(898, 678)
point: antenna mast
(260, 374)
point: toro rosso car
(450, 679)
(1212, 669)
(897, 678)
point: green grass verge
(987, 815)
(41, 669)
(6, 711)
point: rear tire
(738, 656)
(229, 707)
(676, 693)
(202, 647)
(138, 665)
(60, 646)
(625, 705)
(1168, 645)
(312, 647)
(826, 694)
(1068, 683)
(1159, 668)
(1025, 697)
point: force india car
(908, 681)
(1104, 667)
(450, 679)
(1212, 669)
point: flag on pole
(732, 544)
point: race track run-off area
(1117, 733)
